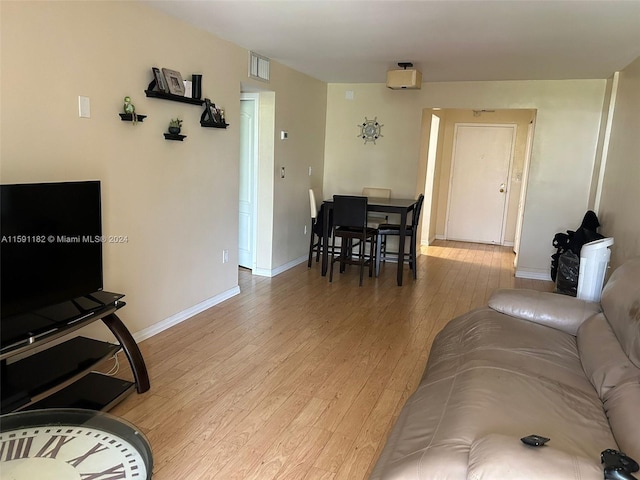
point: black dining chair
(315, 237)
(317, 226)
(386, 229)
(349, 224)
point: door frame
(505, 208)
(255, 97)
(523, 190)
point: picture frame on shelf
(215, 114)
(188, 88)
(174, 81)
(161, 83)
(212, 116)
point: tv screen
(50, 250)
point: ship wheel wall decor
(370, 130)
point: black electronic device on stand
(617, 465)
(51, 285)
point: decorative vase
(196, 81)
(174, 130)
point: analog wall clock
(72, 444)
(370, 130)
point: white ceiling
(448, 40)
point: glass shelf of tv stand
(62, 375)
(38, 379)
(63, 327)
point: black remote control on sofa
(534, 440)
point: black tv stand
(61, 375)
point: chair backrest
(313, 204)
(416, 213)
(350, 211)
(373, 192)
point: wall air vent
(258, 67)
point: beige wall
(300, 111)
(618, 212)
(176, 201)
(567, 123)
(349, 163)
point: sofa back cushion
(609, 347)
(603, 360)
(615, 378)
(621, 305)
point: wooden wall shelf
(173, 98)
(128, 117)
(174, 136)
(214, 125)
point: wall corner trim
(263, 272)
(533, 274)
(184, 315)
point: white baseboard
(263, 272)
(426, 243)
(505, 244)
(184, 315)
(534, 273)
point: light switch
(284, 135)
(84, 107)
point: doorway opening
(450, 134)
(248, 181)
(256, 180)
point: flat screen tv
(50, 251)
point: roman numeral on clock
(113, 473)
(15, 448)
(49, 450)
(95, 449)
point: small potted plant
(174, 126)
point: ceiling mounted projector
(406, 79)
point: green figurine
(130, 108)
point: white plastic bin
(594, 259)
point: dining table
(400, 206)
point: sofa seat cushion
(492, 374)
(486, 338)
(499, 457)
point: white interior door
(248, 181)
(481, 161)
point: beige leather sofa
(529, 363)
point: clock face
(73, 451)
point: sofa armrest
(553, 310)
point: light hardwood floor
(297, 378)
